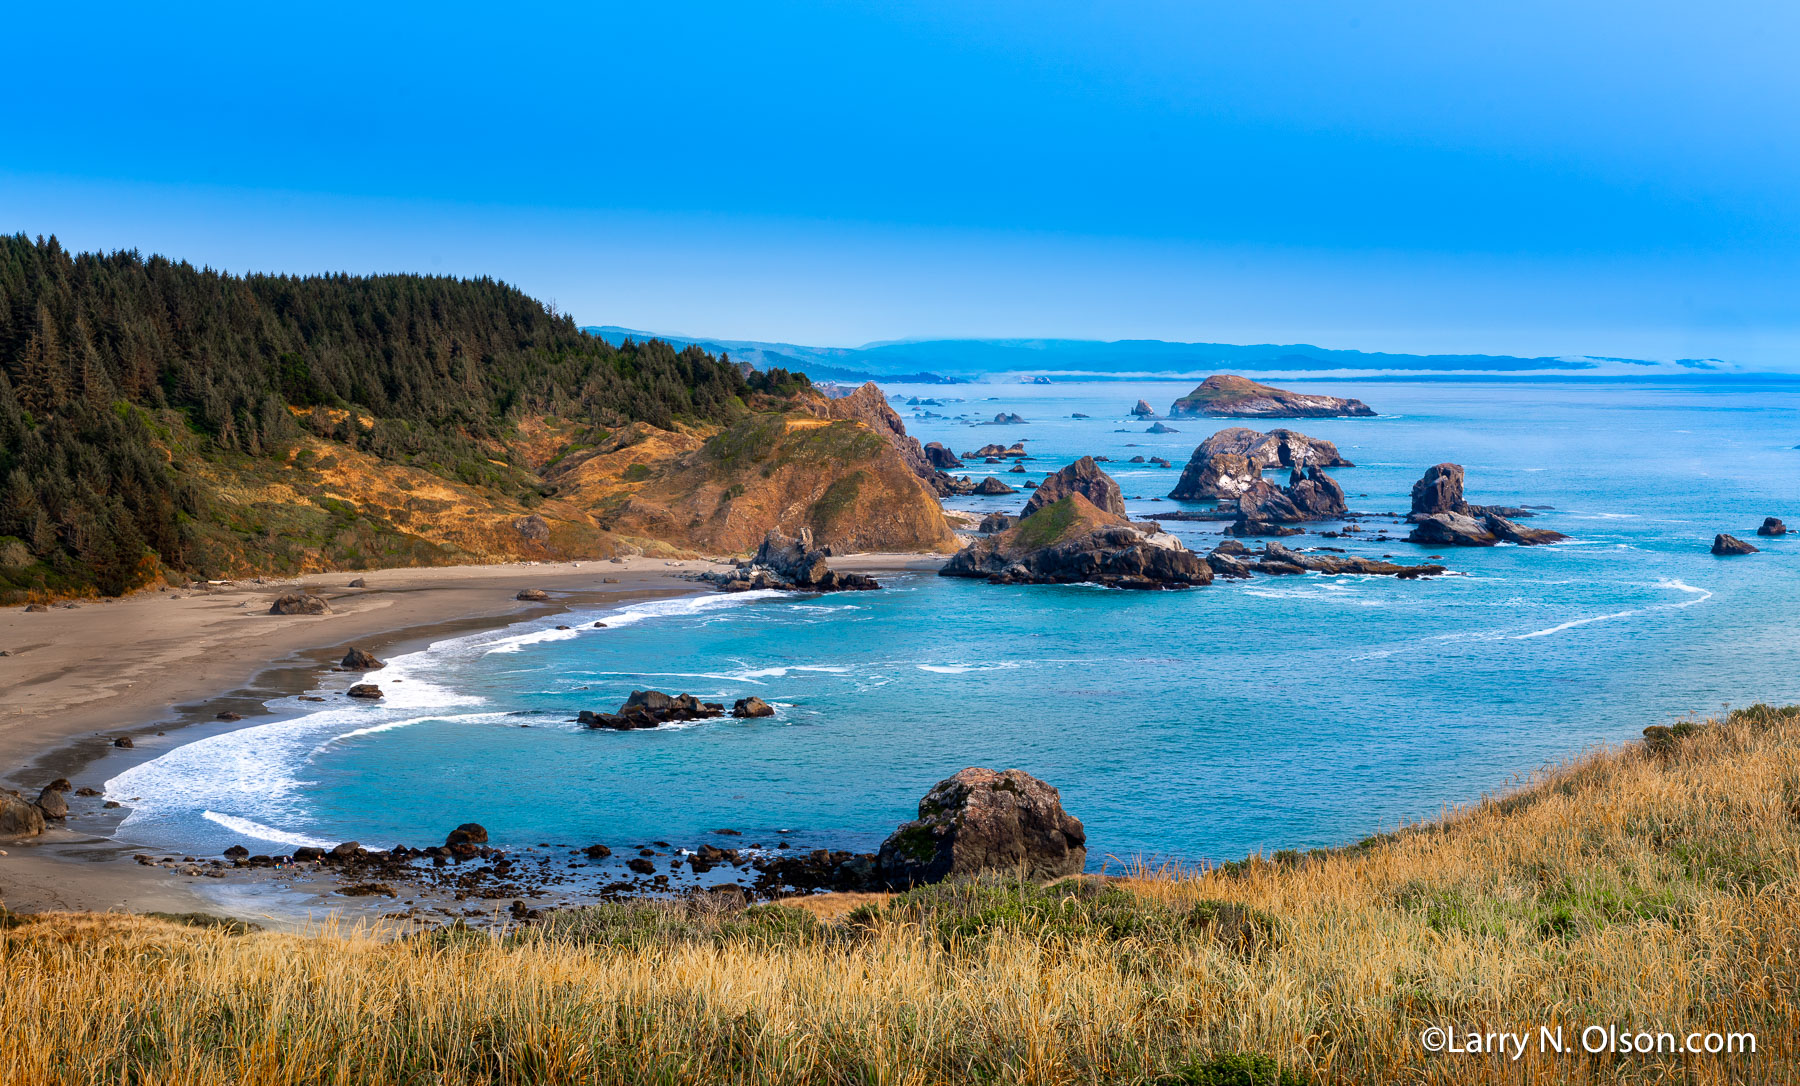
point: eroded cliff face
(841, 469)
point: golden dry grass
(1637, 888)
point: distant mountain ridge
(939, 360)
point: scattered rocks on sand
(1083, 477)
(648, 708)
(368, 691)
(532, 595)
(1772, 526)
(228, 715)
(299, 603)
(123, 742)
(980, 820)
(359, 660)
(752, 707)
(1231, 396)
(1729, 544)
(19, 817)
(785, 562)
(35, 609)
(358, 583)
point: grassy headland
(1650, 888)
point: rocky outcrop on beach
(299, 603)
(1772, 526)
(790, 563)
(1729, 544)
(1231, 396)
(532, 595)
(996, 522)
(366, 691)
(980, 820)
(359, 660)
(1073, 541)
(1083, 477)
(648, 708)
(19, 817)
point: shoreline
(160, 667)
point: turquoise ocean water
(1273, 713)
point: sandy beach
(160, 667)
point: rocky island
(1233, 397)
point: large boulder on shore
(19, 817)
(359, 660)
(790, 562)
(299, 603)
(1083, 477)
(980, 820)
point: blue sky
(1521, 177)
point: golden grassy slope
(1637, 888)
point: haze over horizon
(1534, 179)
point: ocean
(1180, 727)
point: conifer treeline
(97, 352)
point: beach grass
(1646, 889)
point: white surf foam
(244, 827)
(964, 669)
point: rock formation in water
(1231, 396)
(993, 486)
(1072, 541)
(648, 708)
(359, 660)
(790, 563)
(940, 457)
(1223, 476)
(1083, 477)
(1772, 526)
(1729, 544)
(1441, 516)
(980, 820)
(1144, 411)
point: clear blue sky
(1515, 177)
